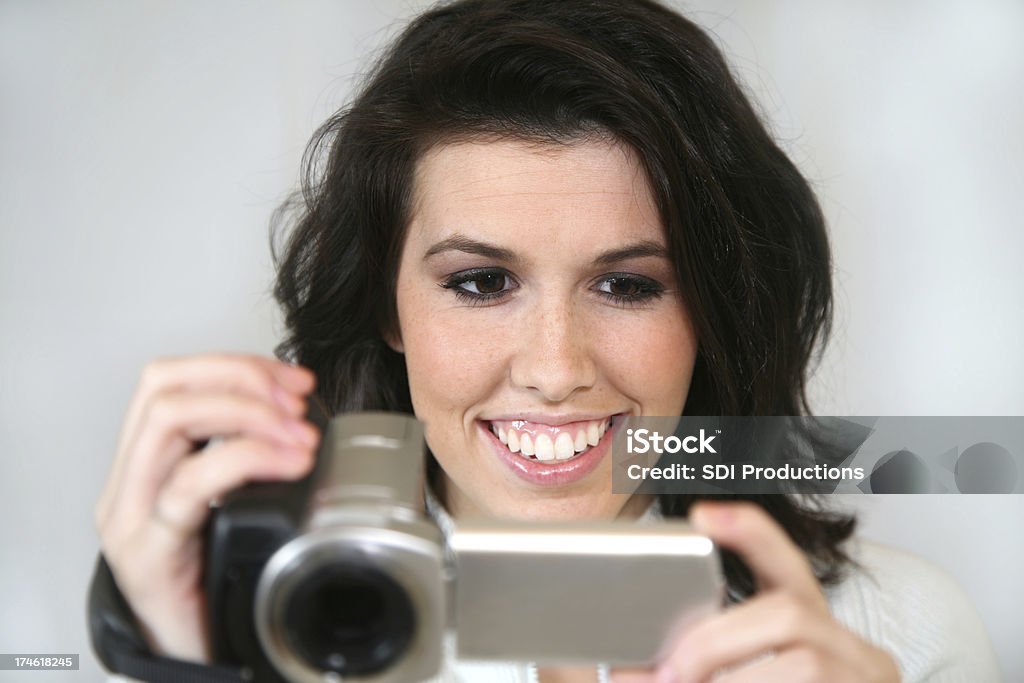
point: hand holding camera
(157, 495)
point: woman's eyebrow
(471, 246)
(637, 250)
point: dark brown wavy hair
(743, 227)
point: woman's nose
(553, 356)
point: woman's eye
(479, 285)
(491, 283)
(623, 288)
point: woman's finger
(803, 665)
(775, 561)
(632, 675)
(184, 502)
(254, 376)
(175, 421)
(773, 622)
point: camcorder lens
(353, 620)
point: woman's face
(536, 301)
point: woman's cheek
(651, 358)
(453, 363)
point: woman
(536, 216)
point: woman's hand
(788, 619)
(157, 496)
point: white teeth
(581, 440)
(563, 446)
(545, 449)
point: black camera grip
(121, 648)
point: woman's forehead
(591, 189)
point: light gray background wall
(144, 145)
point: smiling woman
(539, 217)
(535, 296)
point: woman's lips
(553, 464)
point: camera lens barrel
(358, 594)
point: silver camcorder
(343, 576)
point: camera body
(341, 576)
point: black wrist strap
(122, 649)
